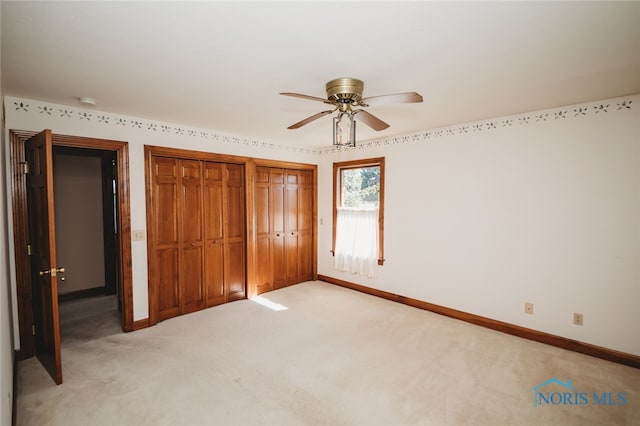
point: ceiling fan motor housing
(345, 91)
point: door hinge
(25, 167)
(28, 249)
(33, 329)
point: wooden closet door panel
(265, 282)
(305, 259)
(165, 216)
(277, 222)
(192, 236)
(291, 218)
(234, 254)
(262, 203)
(263, 231)
(165, 206)
(192, 203)
(234, 218)
(213, 200)
(167, 282)
(214, 234)
(279, 266)
(191, 280)
(305, 201)
(235, 276)
(292, 258)
(291, 203)
(214, 273)
(305, 226)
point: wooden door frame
(21, 229)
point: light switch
(138, 235)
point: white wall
(541, 207)
(26, 114)
(77, 182)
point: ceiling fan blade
(311, 98)
(371, 120)
(396, 98)
(309, 119)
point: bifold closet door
(284, 224)
(292, 218)
(299, 226)
(270, 228)
(179, 239)
(214, 238)
(263, 230)
(277, 217)
(305, 226)
(235, 219)
(192, 230)
(224, 233)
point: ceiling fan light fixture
(345, 94)
(344, 130)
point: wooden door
(234, 231)
(224, 230)
(263, 230)
(179, 235)
(44, 270)
(214, 233)
(277, 225)
(191, 236)
(284, 225)
(305, 226)
(165, 219)
(291, 208)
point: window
(358, 212)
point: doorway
(86, 222)
(118, 152)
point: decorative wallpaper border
(564, 113)
(116, 120)
(108, 119)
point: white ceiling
(221, 65)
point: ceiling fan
(345, 94)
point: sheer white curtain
(357, 241)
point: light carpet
(333, 357)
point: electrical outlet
(138, 235)
(578, 318)
(528, 308)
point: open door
(44, 270)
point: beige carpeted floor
(333, 357)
